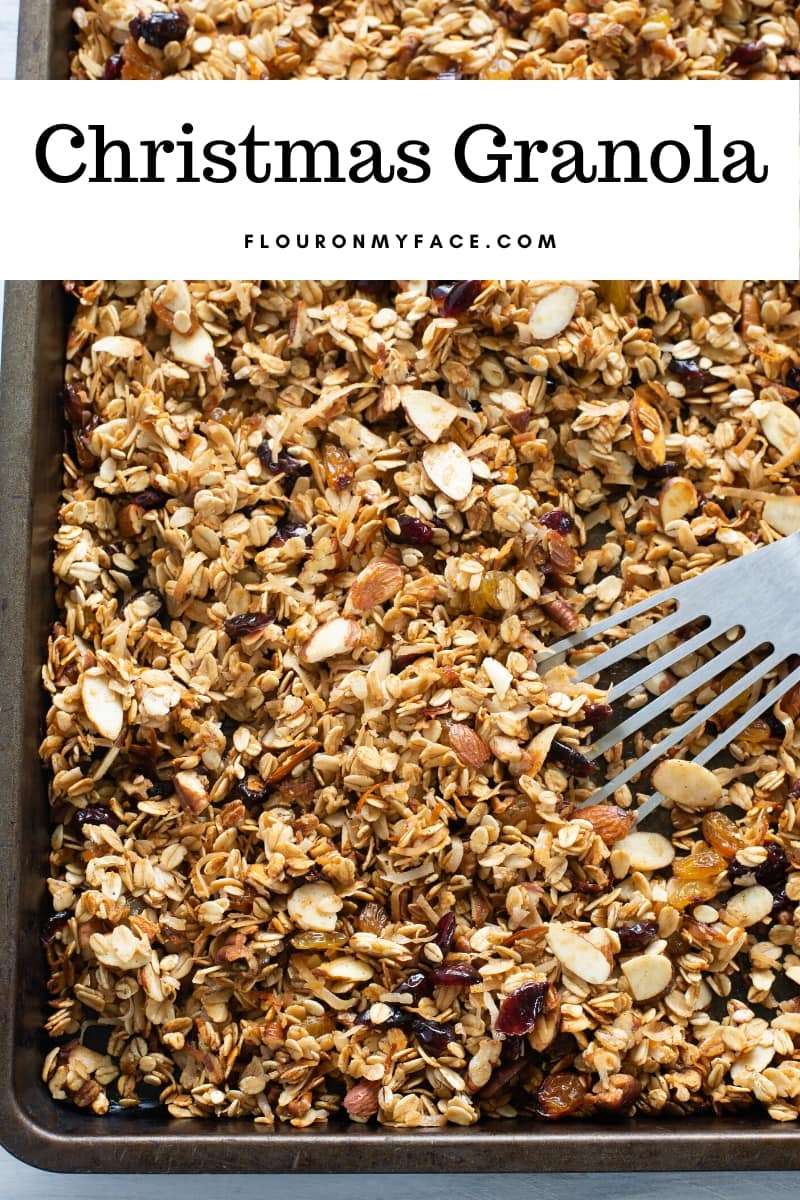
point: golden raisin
(319, 941)
(684, 893)
(497, 594)
(723, 834)
(371, 919)
(703, 863)
(136, 64)
(560, 1095)
(616, 292)
(339, 468)
(520, 812)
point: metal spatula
(754, 595)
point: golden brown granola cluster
(316, 843)
(483, 39)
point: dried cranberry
(290, 528)
(149, 498)
(459, 974)
(397, 1017)
(518, 1012)
(558, 520)
(445, 932)
(793, 378)
(113, 67)
(666, 471)
(246, 623)
(597, 714)
(636, 936)
(160, 28)
(693, 377)
(54, 925)
(373, 287)
(454, 299)
(515, 1046)
(250, 795)
(411, 532)
(573, 762)
(417, 985)
(669, 295)
(96, 814)
(160, 788)
(285, 464)
(746, 54)
(772, 872)
(434, 1035)
(514, 19)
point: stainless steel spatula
(754, 599)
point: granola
(485, 39)
(315, 846)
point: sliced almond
(781, 425)
(192, 791)
(749, 906)
(118, 346)
(578, 954)
(468, 745)
(428, 412)
(648, 975)
(346, 969)
(175, 296)
(338, 636)
(195, 349)
(646, 851)
(677, 498)
(756, 1060)
(783, 513)
(499, 677)
(687, 783)
(554, 312)
(103, 705)
(648, 431)
(314, 906)
(539, 748)
(379, 581)
(448, 469)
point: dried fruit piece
(408, 531)
(445, 932)
(636, 936)
(519, 1010)
(376, 583)
(609, 821)
(677, 498)
(559, 520)
(597, 714)
(371, 919)
(750, 905)
(577, 953)
(113, 67)
(433, 1035)
(470, 748)
(693, 377)
(361, 1101)
(244, 624)
(781, 425)
(687, 783)
(103, 706)
(553, 313)
(783, 513)
(560, 1095)
(573, 762)
(454, 299)
(646, 851)
(428, 412)
(746, 54)
(284, 464)
(314, 906)
(288, 528)
(723, 834)
(497, 593)
(648, 975)
(95, 814)
(192, 791)
(339, 636)
(704, 862)
(160, 28)
(459, 974)
(319, 941)
(688, 892)
(449, 470)
(137, 63)
(648, 432)
(339, 467)
(616, 292)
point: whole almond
(362, 1099)
(379, 581)
(470, 748)
(611, 822)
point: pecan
(620, 1093)
(560, 611)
